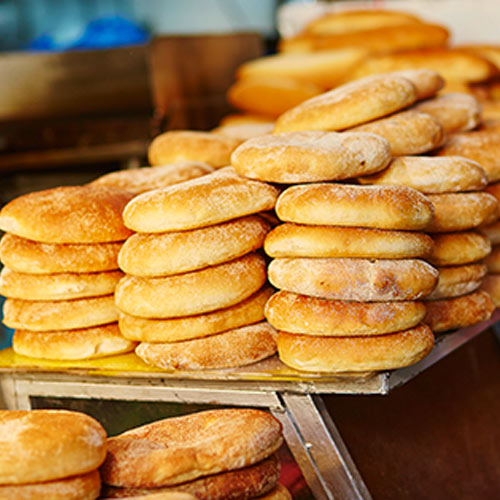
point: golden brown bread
(277, 493)
(491, 285)
(245, 119)
(48, 315)
(229, 349)
(355, 354)
(245, 131)
(295, 313)
(361, 280)
(68, 214)
(427, 81)
(175, 450)
(82, 343)
(166, 495)
(162, 254)
(493, 260)
(296, 240)
(492, 232)
(213, 198)
(382, 207)
(458, 280)
(310, 156)
(191, 145)
(431, 175)
(459, 312)
(454, 249)
(196, 292)
(489, 52)
(43, 445)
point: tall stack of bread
(61, 269)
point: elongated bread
(493, 260)
(163, 254)
(245, 131)
(491, 285)
(197, 292)
(492, 232)
(355, 354)
(382, 207)
(427, 81)
(247, 312)
(431, 175)
(44, 445)
(83, 343)
(236, 347)
(458, 280)
(296, 240)
(494, 189)
(361, 280)
(48, 315)
(180, 449)
(68, 214)
(454, 249)
(208, 200)
(310, 156)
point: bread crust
(380, 207)
(310, 156)
(361, 280)
(455, 281)
(491, 285)
(493, 260)
(244, 131)
(68, 214)
(492, 232)
(355, 354)
(45, 445)
(427, 81)
(454, 249)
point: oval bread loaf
(493, 260)
(453, 249)
(491, 285)
(455, 281)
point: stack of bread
(213, 455)
(195, 288)
(61, 269)
(50, 454)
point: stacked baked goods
(50, 454)
(195, 287)
(61, 268)
(213, 455)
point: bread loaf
(455, 281)
(454, 249)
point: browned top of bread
(427, 81)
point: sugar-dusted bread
(493, 260)
(450, 314)
(381, 207)
(298, 240)
(432, 174)
(362, 280)
(44, 445)
(217, 197)
(162, 254)
(463, 247)
(491, 285)
(196, 292)
(247, 312)
(82, 343)
(355, 354)
(229, 349)
(351, 104)
(311, 156)
(140, 180)
(193, 146)
(458, 280)
(492, 232)
(61, 286)
(295, 313)
(68, 214)
(27, 256)
(180, 449)
(427, 81)
(48, 315)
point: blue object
(5, 333)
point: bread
(191, 145)
(82, 343)
(295, 313)
(408, 132)
(244, 131)
(492, 232)
(489, 52)
(349, 105)
(208, 200)
(277, 493)
(48, 315)
(296, 240)
(196, 292)
(380, 207)
(459, 312)
(62, 286)
(247, 312)
(180, 449)
(140, 180)
(43, 445)
(310, 156)
(458, 280)
(491, 285)
(456, 112)
(162, 254)
(355, 354)
(493, 260)
(245, 119)
(427, 81)
(454, 249)
(167, 495)
(68, 214)
(431, 175)
(494, 190)
(26, 256)
(462, 211)
(361, 280)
